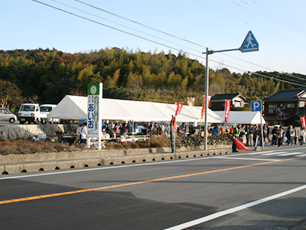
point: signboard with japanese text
(93, 110)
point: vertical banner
(303, 119)
(179, 107)
(190, 101)
(203, 107)
(227, 110)
(174, 123)
(93, 103)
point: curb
(94, 159)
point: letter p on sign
(255, 106)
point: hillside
(52, 74)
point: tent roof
(242, 117)
(75, 108)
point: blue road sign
(250, 43)
(255, 106)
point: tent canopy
(75, 108)
(242, 117)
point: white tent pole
(133, 131)
(100, 116)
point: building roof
(301, 113)
(228, 96)
(286, 94)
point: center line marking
(138, 183)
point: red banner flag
(303, 119)
(174, 123)
(227, 110)
(203, 108)
(179, 107)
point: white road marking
(289, 154)
(235, 209)
(132, 165)
(254, 153)
(273, 153)
(251, 159)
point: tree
(9, 93)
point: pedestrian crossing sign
(250, 43)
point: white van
(45, 109)
(29, 113)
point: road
(250, 190)
(8, 123)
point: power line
(150, 40)
(278, 13)
(277, 79)
(262, 15)
(79, 16)
(103, 10)
(122, 25)
(269, 31)
(137, 22)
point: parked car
(45, 109)
(7, 115)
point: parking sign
(256, 106)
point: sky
(187, 26)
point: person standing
(301, 136)
(255, 134)
(116, 128)
(123, 129)
(274, 137)
(279, 136)
(236, 134)
(249, 135)
(83, 133)
(215, 130)
(290, 135)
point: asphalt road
(8, 123)
(250, 190)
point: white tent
(75, 108)
(242, 117)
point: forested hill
(160, 77)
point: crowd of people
(250, 135)
(278, 136)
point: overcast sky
(279, 27)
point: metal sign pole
(206, 99)
(262, 138)
(249, 44)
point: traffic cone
(240, 145)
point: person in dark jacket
(274, 135)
